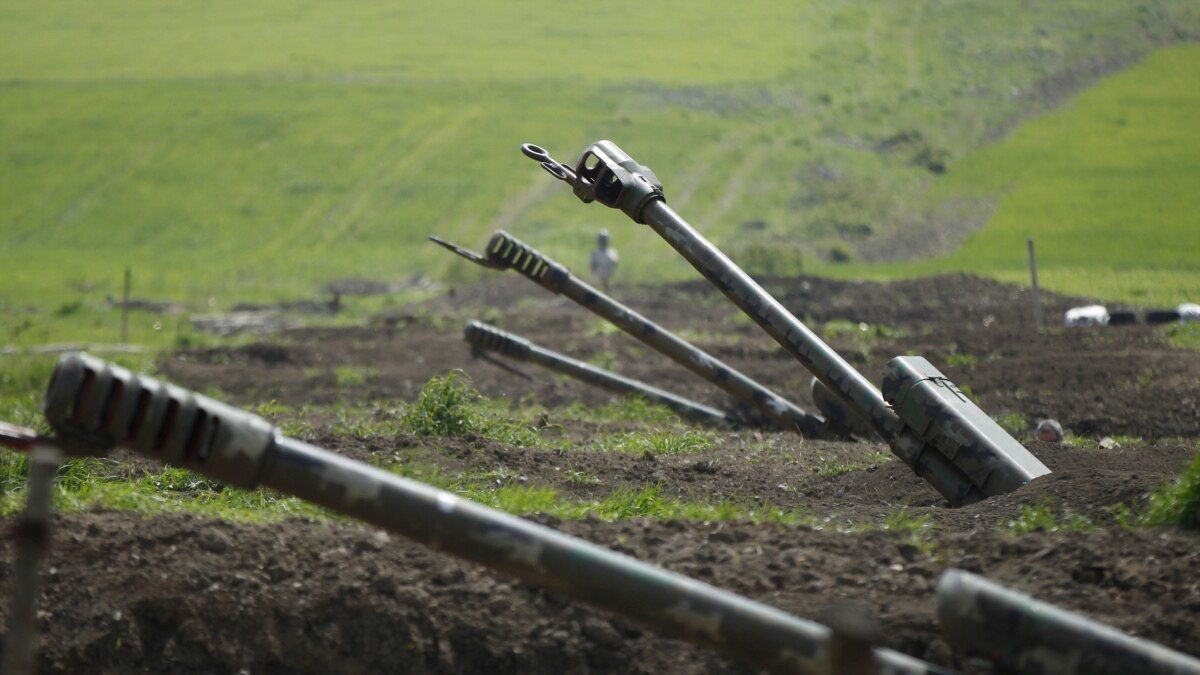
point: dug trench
(188, 594)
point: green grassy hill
(1107, 186)
(240, 151)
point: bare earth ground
(186, 594)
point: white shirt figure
(603, 262)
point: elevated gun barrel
(505, 251)
(484, 337)
(95, 406)
(1024, 635)
(949, 442)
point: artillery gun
(505, 251)
(1024, 635)
(925, 419)
(94, 406)
(484, 338)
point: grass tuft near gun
(94, 406)
(505, 251)
(485, 338)
(929, 424)
(1024, 635)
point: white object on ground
(1090, 315)
(1189, 312)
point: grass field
(1107, 187)
(231, 151)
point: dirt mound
(1116, 381)
(184, 594)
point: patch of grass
(903, 521)
(864, 336)
(1105, 186)
(709, 337)
(626, 409)
(602, 327)
(87, 483)
(274, 409)
(24, 378)
(656, 442)
(254, 150)
(1014, 423)
(644, 502)
(352, 377)
(957, 359)
(23, 382)
(581, 478)
(449, 406)
(446, 406)
(829, 467)
(1042, 518)
(606, 359)
(1177, 502)
(68, 308)
(1184, 335)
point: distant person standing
(603, 262)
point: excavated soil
(1122, 380)
(184, 594)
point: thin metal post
(1037, 294)
(32, 532)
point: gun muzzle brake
(489, 338)
(94, 406)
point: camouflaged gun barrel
(940, 434)
(1024, 635)
(94, 406)
(505, 251)
(489, 338)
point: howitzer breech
(1024, 635)
(482, 336)
(838, 376)
(94, 406)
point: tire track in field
(539, 190)
(735, 187)
(91, 194)
(361, 209)
(303, 228)
(702, 165)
